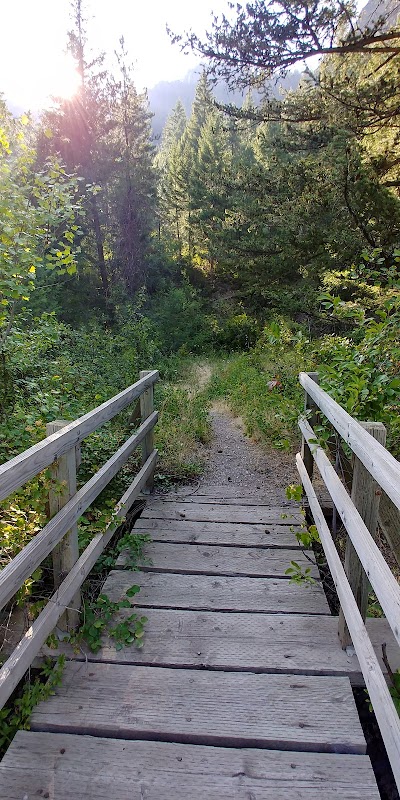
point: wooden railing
(61, 450)
(374, 469)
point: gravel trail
(234, 459)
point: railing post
(65, 554)
(147, 408)
(365, 494)
(309, 405)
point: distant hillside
(379, 8)
(164, 95)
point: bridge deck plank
(190, 559)
(241, 688)
(207, 512)
(197, 706)
(65, 766)
(218, 593)
(222, 533)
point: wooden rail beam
(383, 581)
(378, 461)
(22, 566)
(65, 554)
(19, 470)
(310, 408)
(386, 714)
(389, 521)
(365, 494)
(21, 659)
(147, 408)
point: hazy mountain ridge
(164, 96)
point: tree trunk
(100, 250)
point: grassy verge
(183, 426)
(262, 387)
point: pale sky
(33, 38)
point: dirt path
(198, 379)
(233, 458)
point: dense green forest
(265, 239)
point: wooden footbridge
(242, 688)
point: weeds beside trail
(262, 388)
(184, 424)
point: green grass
(269, 412)
(183, 427)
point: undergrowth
(262, 386)
(16, 714)
(184, 426)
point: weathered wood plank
(22, 566)
(205, 512)
(311, 411)
(146, 409)
(202, 707)
(295, 644)
(379, 462)
(221, 533)
(222, 490)
(66, 553)
(65, 766)
(379, 573)
(213, 560)
(267, 595)
(386, 714)
(18, 470)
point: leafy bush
(361, 371)
(238, 332)
(181, 321)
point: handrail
(60, 446)
(386, 714)
(379, 573)
(19, 470)
(19, 661)
(378, 461)
(28, 559)
(359, 516)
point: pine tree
(133, 183)
(75, 129)
(208, 186)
